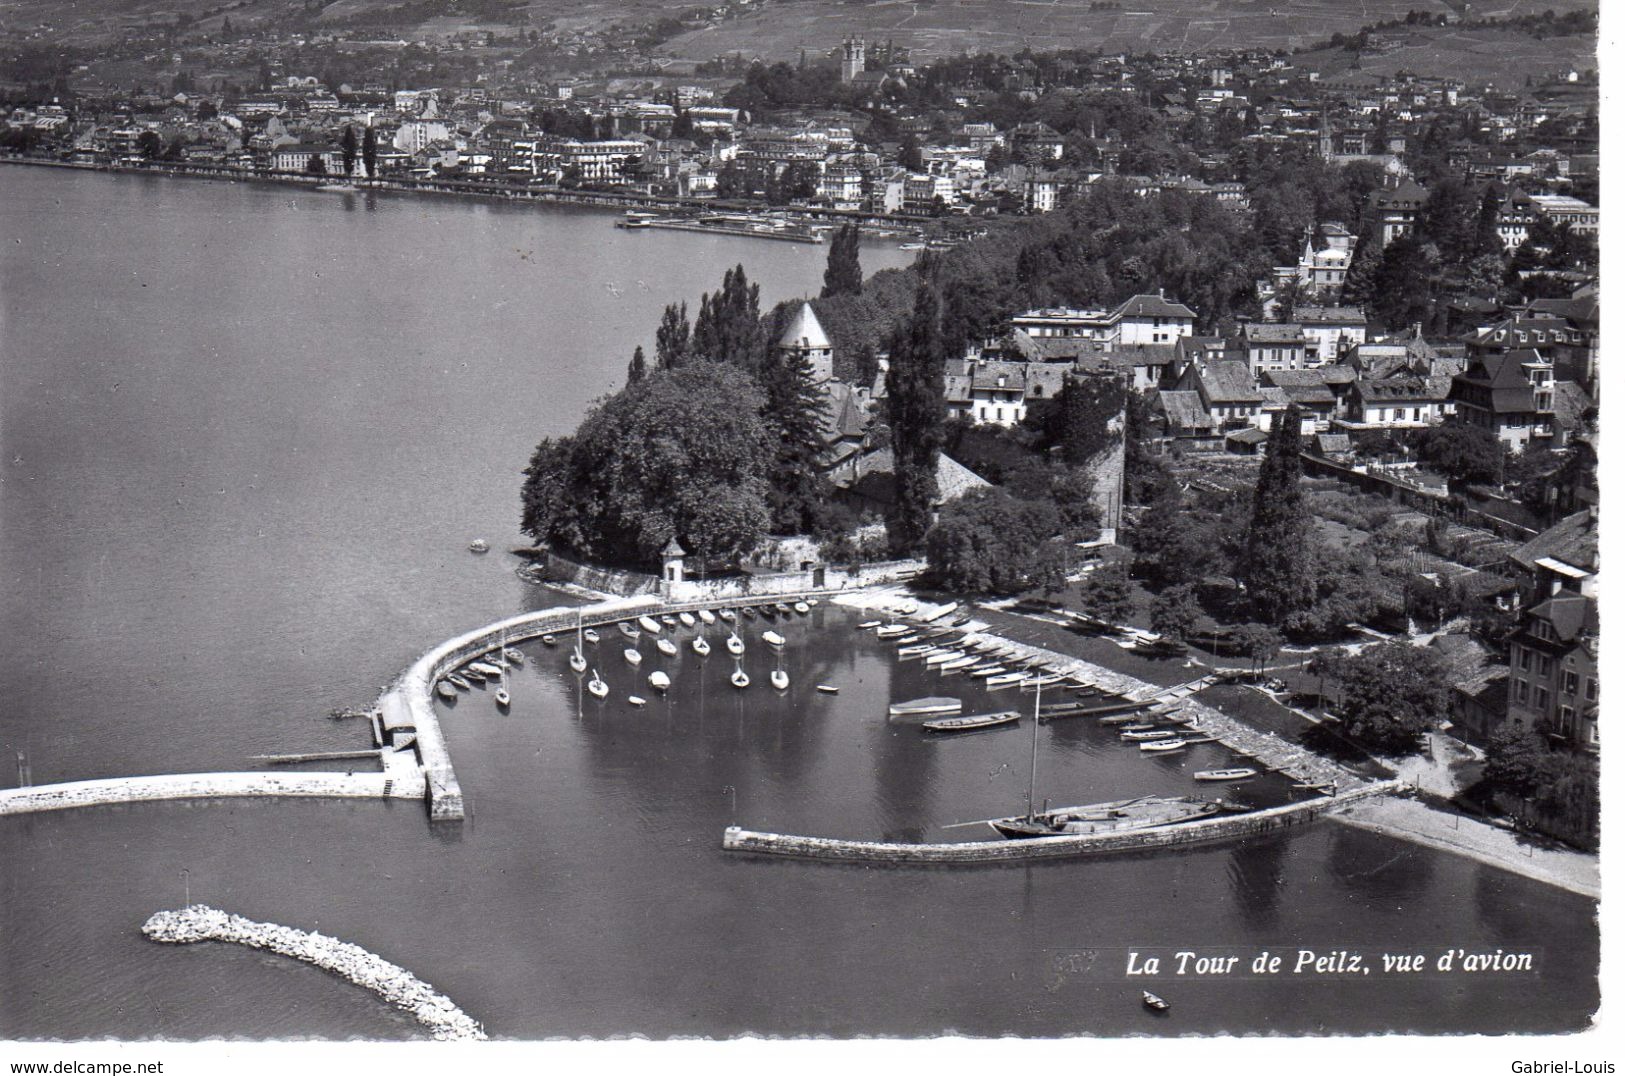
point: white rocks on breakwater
(199, 922)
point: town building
(1508, 393)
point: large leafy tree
(1277, 560)
(680, 454)
(1175, 611)
(990, 542)
(1107, 594)
(915, 388)
(1390, 694)
(1081, 420)
(843, 275)
(1462, 452)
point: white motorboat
(772, 638)
(649, 624)
(659, 680)
(707, 617)
(632, 656)
(686, 618)
(780, 679)
(666, 647)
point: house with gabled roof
(1508, 393)
(1402, 402)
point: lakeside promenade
(874, 224)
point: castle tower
(805, 338)
(852, 56)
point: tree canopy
(990, 542)
(678, 454)
(1390, 694)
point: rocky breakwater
(199, 922)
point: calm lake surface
(246, 434)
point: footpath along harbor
(396, 985)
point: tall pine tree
(728, 328)
(794, 414)
(915, 388)
(638, 368)
(349, 149)
(369, 151)
(842, 273)
(1277, 562)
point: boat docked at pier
(1115, 816)
(972, 722)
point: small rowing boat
(590, 635)
(1236, 773)
(549, 640)
(490, 672)
(659, 680)
(1152, 1002)
(649, 624)
(939, 656)
(513, 655)
(829, 689)
(955, 664)
(998, 680)
(867, 624)
(917, 650)
(628, 629)
(802, 607)
(772, 638)
(891, 631)
(666, 647)
(726, 614)
(445, 690)
(457, 682)
(632, 656)
(1146, 737)
(686, 619)
(636, 700)
(931, 704)
(1162, 745)
(707, 617)
(971, 722)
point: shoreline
(871, 225)
(1410, 820)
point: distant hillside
(1476, 56)
(944, 27)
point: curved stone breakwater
(199, 922)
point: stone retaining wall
(1228, 827)
(394, 984)
(204, 786)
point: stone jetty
(1185, 834)
(199, 922)
(1175, 705)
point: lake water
(246, 434)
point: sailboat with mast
(1117, 816)
(578, 659)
